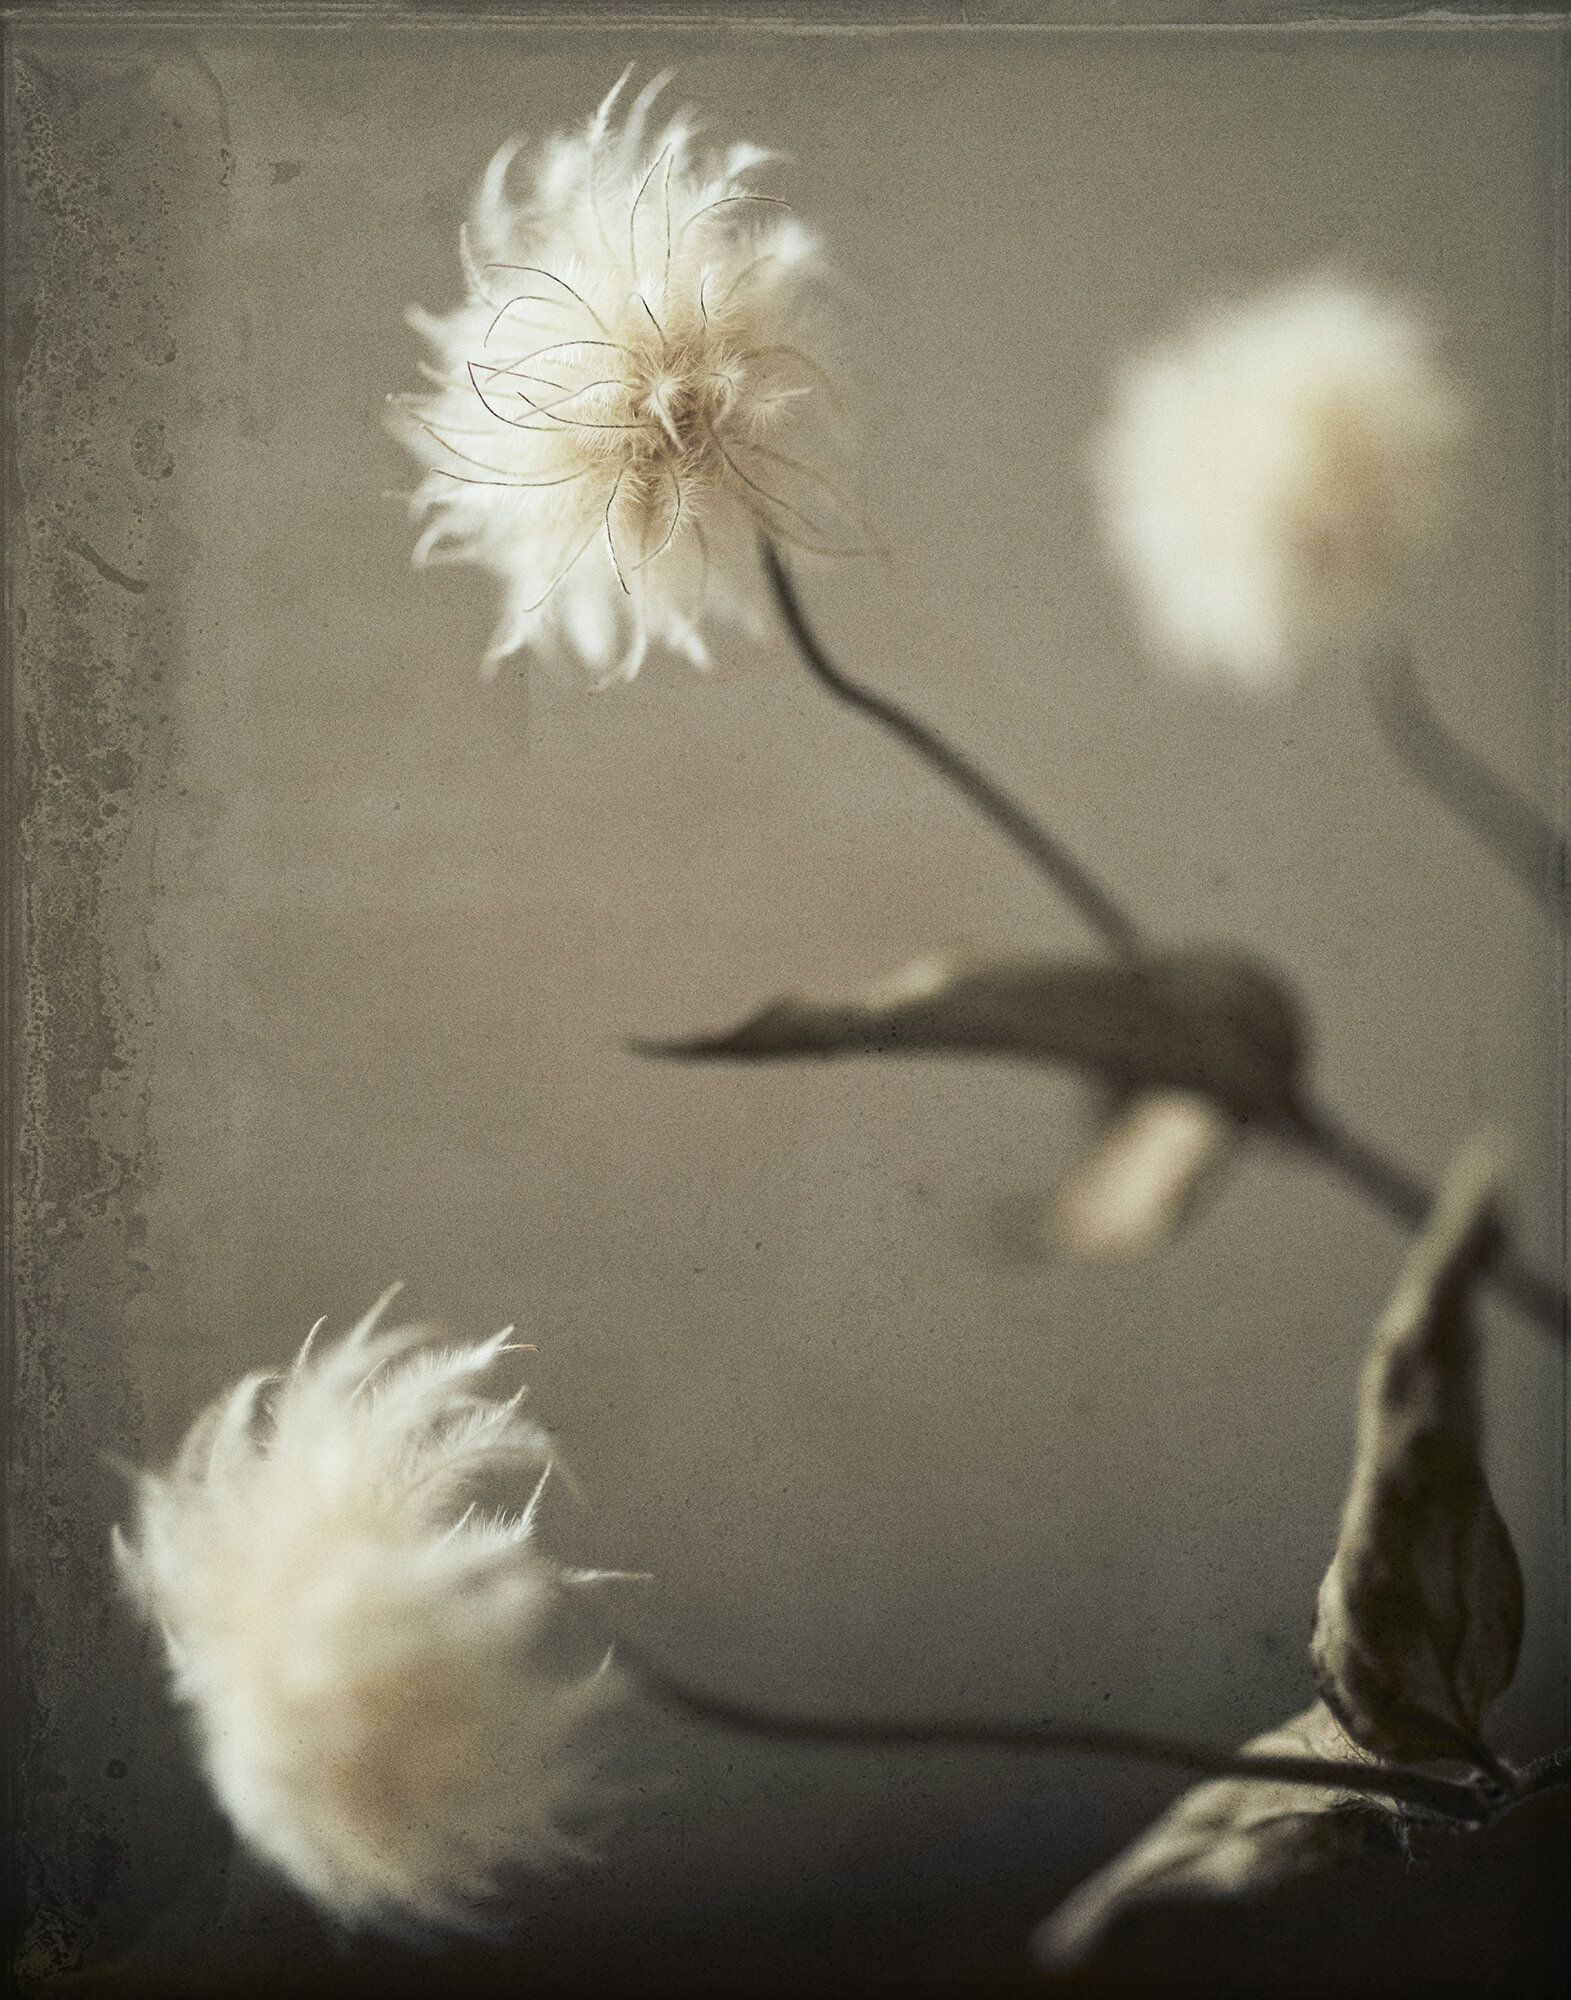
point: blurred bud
(1144, 1174)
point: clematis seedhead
(367, 1633)
(621, 402)
(1269, 481)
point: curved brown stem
(1494, 812)
(1485, 804)
(1444, 1797)
(1043, 849)
(1409, 1199)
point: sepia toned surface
(328, 955)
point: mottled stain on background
(99, 190)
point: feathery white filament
(363, 1645)
(1267, 481)
(605, 434)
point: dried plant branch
(1390, 1185)
(1418, 1619)
(1047, 853)
(1403, 1195)
(1445, 1798)
(1202, 1021)
(1493, 811)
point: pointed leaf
(1144, 1174)
(1420, 1614)
(1196, 1021)
(1228, 1839)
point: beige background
(329, 953)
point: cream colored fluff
(613, 397)
(1142, 1177)
(360, 1645)
(1268, 480)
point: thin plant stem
(1497, 815)
(1404, 1196)
(1445, 1797)
(1048, 854)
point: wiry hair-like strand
(611, 398)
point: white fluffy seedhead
(367, 1653)
(612, 399)
(1268, 481)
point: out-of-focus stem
(1407, 1198)
(1043, 849)
(1495, 813)
(1490, 809)
(1444, 1797)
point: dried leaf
(1420, 1614)
(1198, 1021)
(1228, 1839)
(1144, 1174)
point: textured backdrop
(327, 954)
